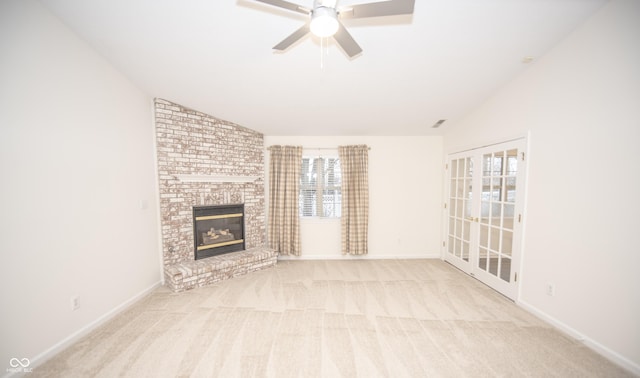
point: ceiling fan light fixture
(324, 22)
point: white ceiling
(215, 56)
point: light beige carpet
(368, 318)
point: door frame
(470, 267)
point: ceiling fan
(324, 19)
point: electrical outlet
(551, 290)
(75, 303)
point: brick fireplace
(204, 161)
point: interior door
(484, 213)
(459, 205)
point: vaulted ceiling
(215, 56)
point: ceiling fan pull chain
(321, 53)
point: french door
(484, 213)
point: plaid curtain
(354, 162)
(284, 186)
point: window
(320, 182)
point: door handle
(472, 219)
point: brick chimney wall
(193, 143)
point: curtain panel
(284, 186)
(354, 162)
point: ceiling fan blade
(293, 38)
(287, 5)
(383, 8)
(346, 41)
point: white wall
(77, 164)
(405, 185)
(581, 102)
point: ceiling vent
(438, 124)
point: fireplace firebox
(218, 229)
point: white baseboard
(360, 257)
(74, 337)
(588, 342)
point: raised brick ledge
(191, 274)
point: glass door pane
(499, 171)
(460, 207)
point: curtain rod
(324, 148)
(321, 148)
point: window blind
(320, 187)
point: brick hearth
(191, 274)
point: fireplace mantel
(215, 178)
